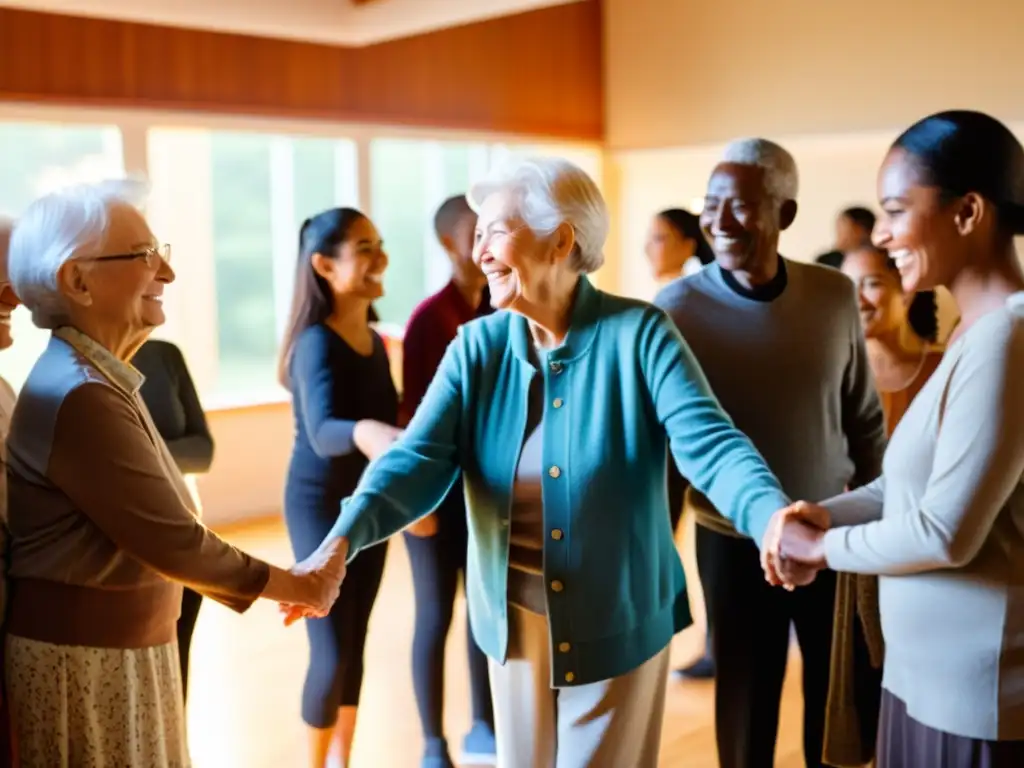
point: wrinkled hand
(793, 550)
(322, 574)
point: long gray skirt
(905, 743)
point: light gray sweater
(789, 365)
(944, 530)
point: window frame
(195, 338)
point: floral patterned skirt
(78, 707)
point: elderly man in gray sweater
(781, 345)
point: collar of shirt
(121, 374)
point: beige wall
(683, 72)
(253, 446)
(833, 82)
(836, 171)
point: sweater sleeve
(193, 451)
(105, 462)
(718, 459)
(862, 505)
(978, 462)
(316, 379)
(413, 477)
(862, 415)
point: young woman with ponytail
(346, 409)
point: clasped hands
(319, 577)
(793, 550)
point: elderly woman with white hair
(558, 414)
(102, 529)
(8, 303)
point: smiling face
(880, 298)
(666, 249)
(119, 301)
(8, 299)
(741, 220)
(519, 267)
(918, 227)
(356, 269)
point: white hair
(780, 175)
(57, 228)
(550, 191)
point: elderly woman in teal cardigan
(558, 413)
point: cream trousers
(609, 724)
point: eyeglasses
(153, 256)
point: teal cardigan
(622, 382)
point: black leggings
(752, 622)
(436, 563)
(190, 604)
(336, 642)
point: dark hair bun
(961, 151)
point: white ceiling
(339, 22)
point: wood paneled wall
(537, 73)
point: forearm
(367, 519)
(283, 587)
(863, 505)
(889, 547)
(733, 476)
(334, 437)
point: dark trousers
(190, 604)
(334, 677)
(337, 641)
(436, 562)
(750, 644)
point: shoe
(479, 748)
(702, 669)
(435, 754)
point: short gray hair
(60, 227)
(551, 190)
(780, 174)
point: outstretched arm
(415, 474)
(718, 459)
(978, 462)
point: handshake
(793, 550)
(309, 588)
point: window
(409, 179)
(37, 158)
(589, 160)
(248, 195)
(230, 202)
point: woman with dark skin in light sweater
(942, 527)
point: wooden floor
(247, 674)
